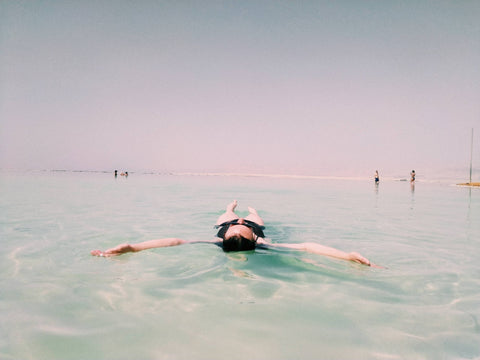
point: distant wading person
(237, 234)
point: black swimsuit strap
(235, 221)
(257, 229)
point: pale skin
(237, 229)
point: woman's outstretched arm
(327, 251)
(125, 248)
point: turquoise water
(196, 302)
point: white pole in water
(471, 156)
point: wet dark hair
(238, 243)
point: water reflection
(469, 203)
(412, 189)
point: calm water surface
(196, 302)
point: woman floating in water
(237, 234)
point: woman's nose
(241, 221)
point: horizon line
(237, 174)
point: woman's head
(238, 243)
(239, 237)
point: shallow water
(196, 302)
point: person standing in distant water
(412, 174)
(116, 173)
(377, 177)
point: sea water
(196, 302)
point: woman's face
(239, 229)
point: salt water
(197, 302)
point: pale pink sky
(315, 88)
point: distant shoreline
(445, 179)
(470, 184)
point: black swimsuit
(257, 229)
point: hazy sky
(308, 87)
